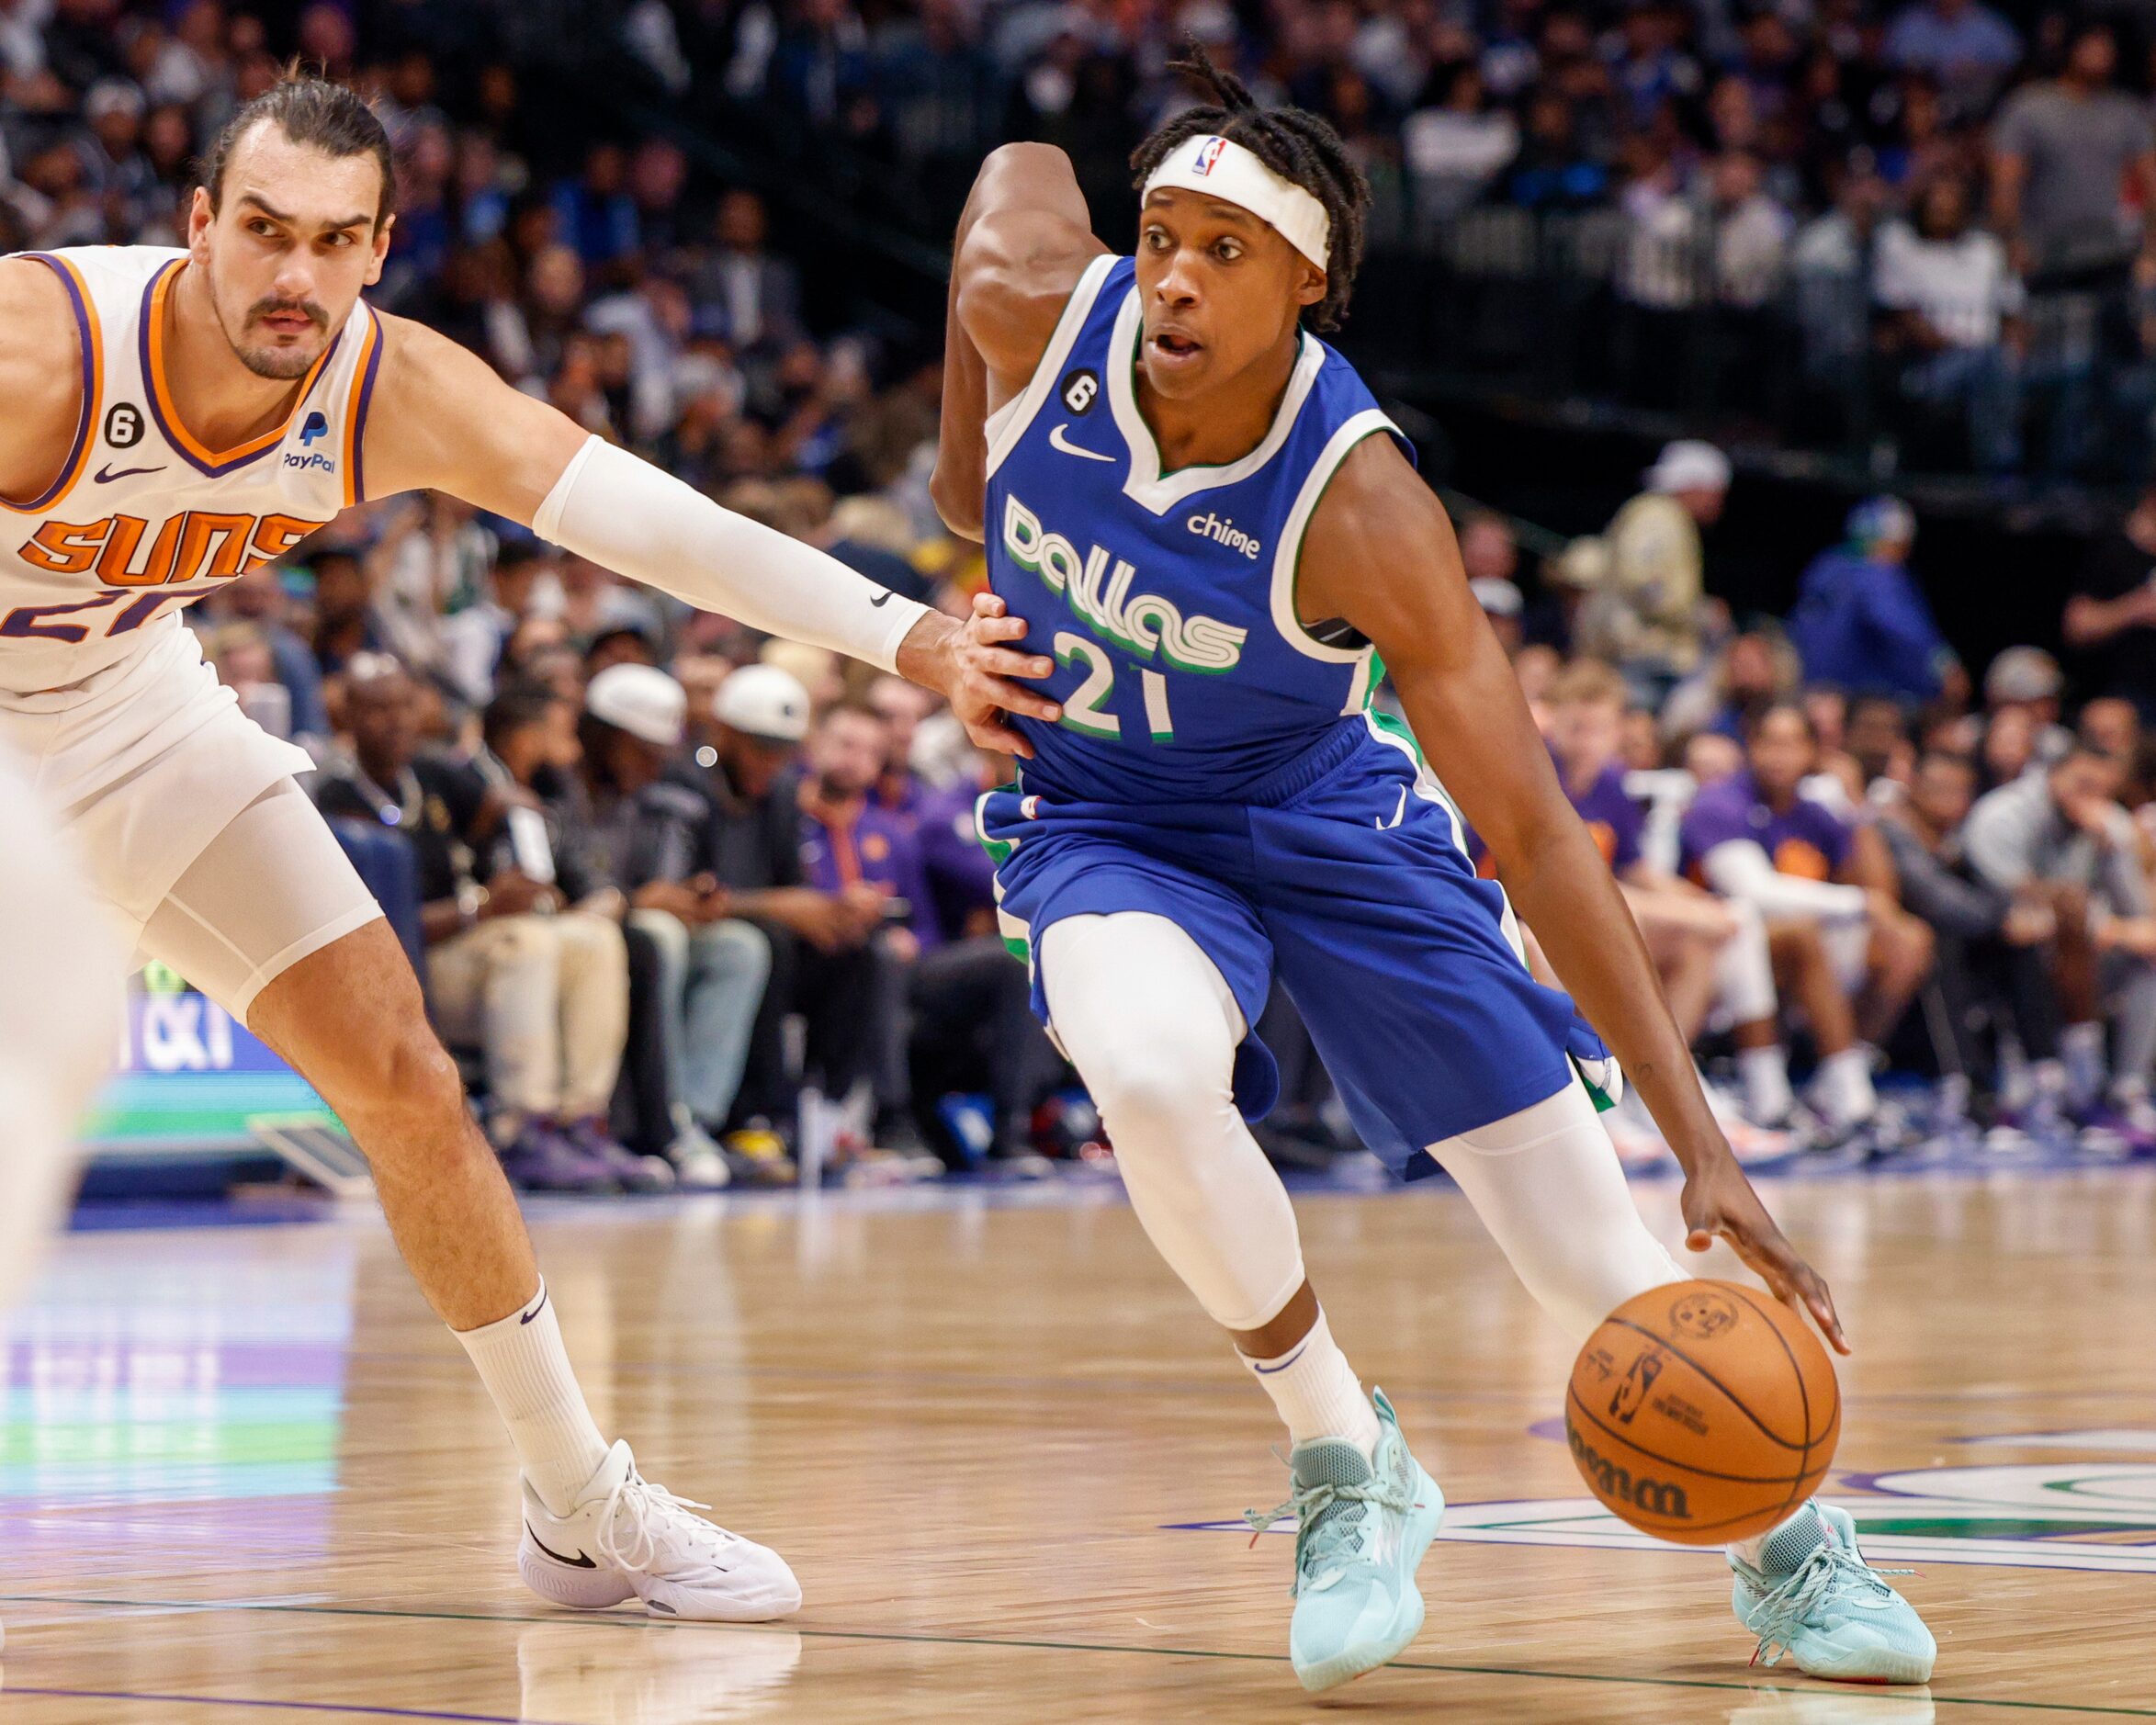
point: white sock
(1843, 1087)
(1318, 1391)
(521, 1360)
(1765, 1073)
(2080, 1049)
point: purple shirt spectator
(1612, 818)
(1807, 840)
(873, 845)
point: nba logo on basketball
(1208, 154)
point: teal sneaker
(1361, 1532)
(1815, 1598)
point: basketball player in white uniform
(175, 418)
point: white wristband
(628, 516)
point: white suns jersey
(143, 519)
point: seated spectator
(640, 831)
(969, 998)
(543, 994)
(1843, 948)
(1954, 307)
(1862, 623)
(1707, 950)
(259, 597)
(1991, 945)
(2059, 838)
(823, 963)
(1753, 668)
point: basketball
(1702, 1411)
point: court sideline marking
(632, 1623)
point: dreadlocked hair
(1295, 144)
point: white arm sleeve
(639, 521)
(1738, 868)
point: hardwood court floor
(246, 1476)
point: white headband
(1222, 168)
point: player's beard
(281, 362)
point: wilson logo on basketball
(1664, 1499)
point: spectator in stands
(823, 963)
(541, 992)
(961, 1007)
(1844, 947)
(1954, 306)
(1963, 44)
(258, 597)
(1649, 624)
(1753, 668)
(758, 296)
(1862, 623)
(650, 835)
(1991, 945)
(2073, 167)
(2058, 838)
(1707, 950)
(2111, 619)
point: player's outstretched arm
(1380, 552)
(1024, 239)
(442, 421)
(40, 378)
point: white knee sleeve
(60, 1020)
(1744, 970)
(1152, 1026)
(1546, 1183)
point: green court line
(627, 1621)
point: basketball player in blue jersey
(1205, 520)
(172, 417)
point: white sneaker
(699, 1165)
(629, 1538)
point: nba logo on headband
(1208, 154)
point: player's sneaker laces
(1361, 1531)
(629, 1538)
(1815, 1598)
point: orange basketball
(1702, 1411)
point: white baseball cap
(764, 701)
(1689, 465)
(641, 700)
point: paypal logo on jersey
(1142, 624)
(293, 458)
(1222, 532)
(318, 425)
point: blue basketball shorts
(1346, 875)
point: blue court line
(348, 1708)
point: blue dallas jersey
(1215, 765)
(1167, 599)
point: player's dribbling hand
(982, 669)
(1720, 1204)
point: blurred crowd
(698, 907)
(1828, 832)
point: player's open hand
(1720, 1204)
(980, 675)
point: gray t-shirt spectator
(2016, 833)
(2076, 151)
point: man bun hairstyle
(1295, 144)
(314, 111)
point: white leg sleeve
(1152, 1026)
(1743, 969)
(1546, 1183)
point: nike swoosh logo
(525, 1317)
(104, 475)
(1058, 441)
(1266, 1371)
(883, 598)
(1386, 826)
(579, 1562)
